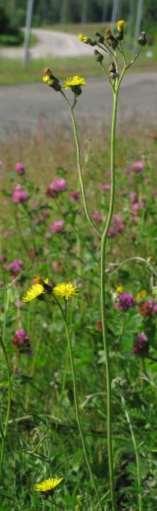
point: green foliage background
(54, 11)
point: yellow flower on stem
(74, 81)
(38, 288)
(120, 25)
(48, 486)
(83, 38)
(65, 290)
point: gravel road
(50, 44)
(23, 108)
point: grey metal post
(104, 11)
(139, 17)
(84, 9)
(30, 5)
(115, 10)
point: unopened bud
(142, 40)
(113, 71)
(99, 56)
(100, 37)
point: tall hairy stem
(78, 161)
(3, 347)
(138, 471)
(103, 302)
(84, 448)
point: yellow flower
(83, 38)
(119, 289)
(49, 485)
(120, 25)
(51, 80)
(141, 295)
(74, 81)
(48, 76)
(37, 289)
(65, 290)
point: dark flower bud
(113, 71)
(99, 56)
(77, 90)
(111, 40)
(142, 40)
(50, 79)
(100, 37)
(120, 35)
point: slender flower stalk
(84, 448)
(78, 161)
(103, 299)
(138, 470)
(2, 344)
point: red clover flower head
(97, 216)
(57, 226)
(74, 196)
(141, 345)
(137, 167)
(15, 266)
(117, 226)
(147, 308)
(125, 301)
(20, 168)
(21, 341)
(56, 186)
(19, 195)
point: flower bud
(142, 39)
(99, 56)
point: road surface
(51, 44)
(25, 108)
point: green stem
(103, 300)
(2, 344)
(78, 161)
(140, 506)
(77, 406)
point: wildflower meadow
(78, 288)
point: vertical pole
(65, 11)
(115, 10)
(105, 9)
(139, 17)
(84, 9)
(30, 4)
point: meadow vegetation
(53, 377)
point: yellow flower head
(37, 289)
(48, 486)
(120, 25)
(74, 81)
(51, 80)
(83, 38)
(48, 76)
(65, 290)
(119, 289)
(141, 295)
